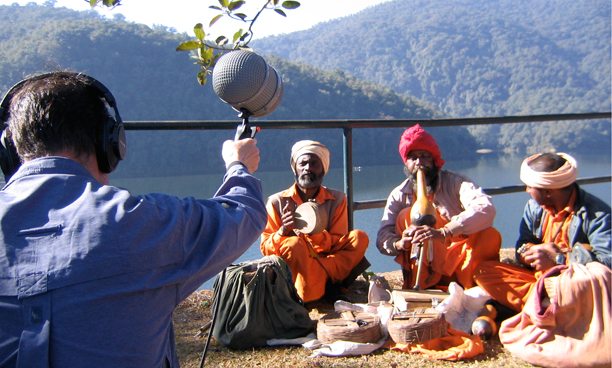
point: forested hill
(478, 58)
(152, 81)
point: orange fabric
(574, 330)
(556, 227)
(454, 260)
(454, 345)
(508, 284)
(338, 250)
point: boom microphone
(245, 81)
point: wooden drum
(310, 218)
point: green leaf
(205, 54)
(280, 12)
(237, 35)
(215, 19)
(235, 5)
(189, 45)
(244, 36)
(202, 77)
(223, 3)
(220, 39)
(215, 7)
(291, 4)
(275, 2)
(241, 15)
(199, 31)
(93, 3)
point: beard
(309, 180)
(432, 176)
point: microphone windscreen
(244, 80)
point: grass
(195, 312)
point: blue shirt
(90, 274)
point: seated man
(561, 222)
(319, 260)
(462, 236)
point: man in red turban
(462, 236)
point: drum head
(309, 218)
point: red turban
(416, 138)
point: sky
(183, 15)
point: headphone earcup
(114, 146)
(9, 159)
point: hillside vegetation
(478, 58)
(152, 81)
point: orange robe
(313, 259)
(454, 260)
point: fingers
(421, 234)
(539, 259)
(244, 151)
(287, 217)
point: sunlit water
(377, 182)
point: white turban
(560, 178)
(316, 148)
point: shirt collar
(292, 193)
(50, 165)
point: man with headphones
(90, 274)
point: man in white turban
(324, 260)
(561, 224)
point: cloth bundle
(574, 330)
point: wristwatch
(560, 259)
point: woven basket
(417, 326)
(352, 326)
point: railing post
(348, 173)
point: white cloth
(560, 178)
(461, 308)
(313, 147)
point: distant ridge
(478, 58)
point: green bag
(258, 302)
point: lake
(488, 171)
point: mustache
(425, 169)
(308, 174)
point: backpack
(258, 302)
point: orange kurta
(335, 251)
(454, 260)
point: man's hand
(541, 256)
(288, 220)
(418, 234)
(244, 151)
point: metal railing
(347, 125)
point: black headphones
(109, 151)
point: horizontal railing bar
(357, 123)
(380, 203)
